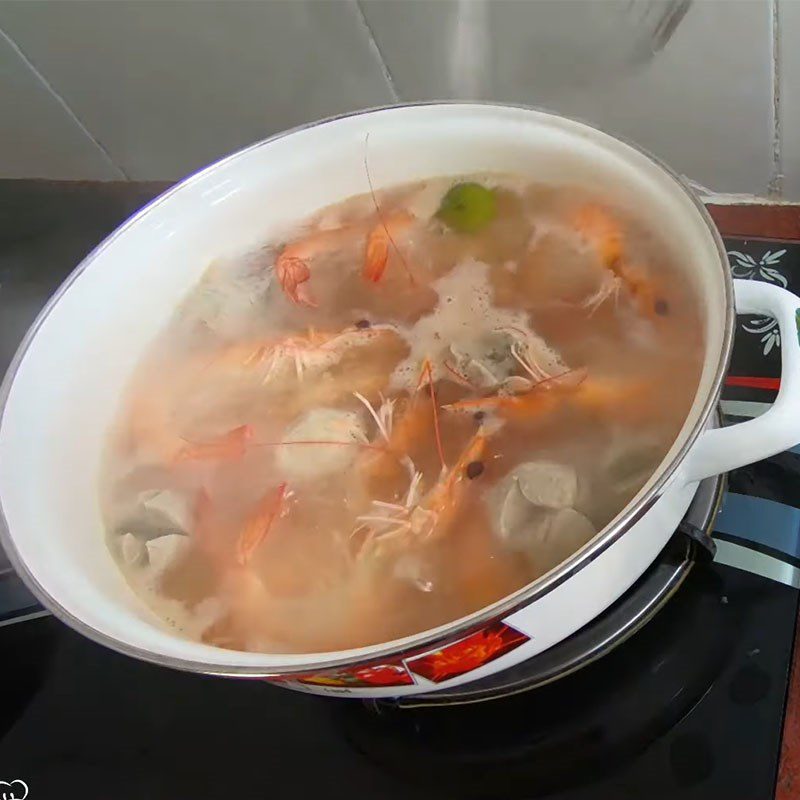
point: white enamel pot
(62, 390)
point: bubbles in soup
(413, 406)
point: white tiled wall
(152, 89)
(39, 136)
(788, 94)
(166, 87)
(703, 103)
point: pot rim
(424, 640)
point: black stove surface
(690, 707)
(655, 706)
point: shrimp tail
(376, 255)
(258, 525)
(230, 446)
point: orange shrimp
(444, 500)
(379, 240)
(643, 290)
(292, 267)
(152, 425)
(406, 428)
(540, 399)
(259, 523)
(230, 446)
(246, 594)
(426, 378)
(519, 406)
(393, 528)
(154, 433)
(589, 394)
(317, 349)
(400, 433)
(604, 233)
(376, 253)
(153, 428)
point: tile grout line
(373, 45)
(775, 184)
(63, 103)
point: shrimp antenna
(326, 442)
(380, 213)
(427, 371)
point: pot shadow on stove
(576, 730)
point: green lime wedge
(467, 207)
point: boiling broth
(415, 404)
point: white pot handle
(724, 449)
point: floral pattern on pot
(468, 654)
(745, 266)
(371, 676)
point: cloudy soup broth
(411, 405)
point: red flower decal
(476, 650)
(374, 675)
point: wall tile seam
(376, 50)
(39, 76)
(775, 183)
